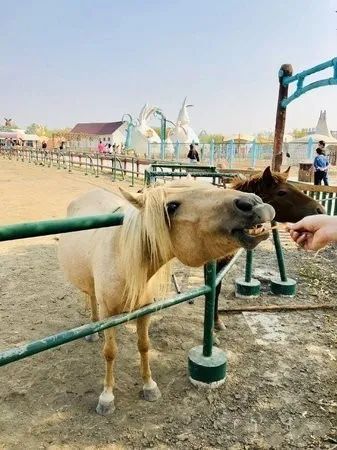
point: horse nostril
(320, 210)
(243, 205)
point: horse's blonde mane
(144, 246)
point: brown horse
(290, 205)
(119, 267)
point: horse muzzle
(251, 213)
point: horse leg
(106, 399)
(151, 391)
(92, 303)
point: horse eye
(281, 193)
(172, 207)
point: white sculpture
(143, 133)
(182, 132)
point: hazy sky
(70, 61)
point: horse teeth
(255, 230)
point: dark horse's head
(290, 204)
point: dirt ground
(280, 392)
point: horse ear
(137, 200)
(267, 177)
(286, 173)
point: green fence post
(211, 153)
(253, 153)
(231, 153)
(284, 286)
(177, 151)
(247, 286)
(207, 365)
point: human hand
(314, 232)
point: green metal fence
(207, 364)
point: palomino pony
(290, 205)
(119, 267)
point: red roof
(96, 128)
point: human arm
(327, 164)
(316, 163)
(314, 232)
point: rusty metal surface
(285, 71)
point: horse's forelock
(145, 244)
(155, 229)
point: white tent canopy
(322, 133)
(315, 137)
(243, 138)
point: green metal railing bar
(279, 253)
(249, 266)
(28, 230)
(184, 174)
(210, 276)
(227, 268)
(56, 340)
(47, 227)
(178, 165)
(64, 337)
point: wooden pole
(285, 71)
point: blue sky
(70, 61)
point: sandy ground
(281, 387)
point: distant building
(302, 149)
(321, 132)
(86, 136)
(19, 137)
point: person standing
(193, 155)
(321, 165)
(100, 147)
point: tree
(39, 130)
(264, 137)
(43, 130)
(207, 138)
(300, 133)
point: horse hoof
(151, 395)
(92, 337)
(106, 404)
(105, 409)
(219, 325)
